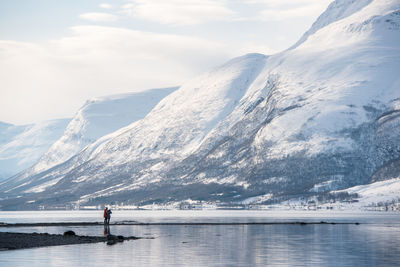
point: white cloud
(179, 12)
(51, 80)
(105, 6)
(293, 3)
(281, 10)
(98, 17)
(285, 14)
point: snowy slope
(21, 146)
(336, 11)
(98, 117)
(383, 193)
(321, 116)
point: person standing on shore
(105, 215)
(108, 216)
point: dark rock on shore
(10, 241)
(69, 233)
(112, 239)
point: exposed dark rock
(10, 241)
(69, 233)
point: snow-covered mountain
(22, 145)
(99, 117)
(174, 128)
(323, 115)
(96, 118)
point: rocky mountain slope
(323, 115)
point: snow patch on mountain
(382, 195)
(383, 191)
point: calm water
(375, 242)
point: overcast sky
(54, 55)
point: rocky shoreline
(10, 241)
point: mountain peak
(352, 12)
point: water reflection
(376, 242)
(244, 245)
(107, 230)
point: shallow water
(375, 242)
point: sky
(55, 55)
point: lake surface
(375, 242)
